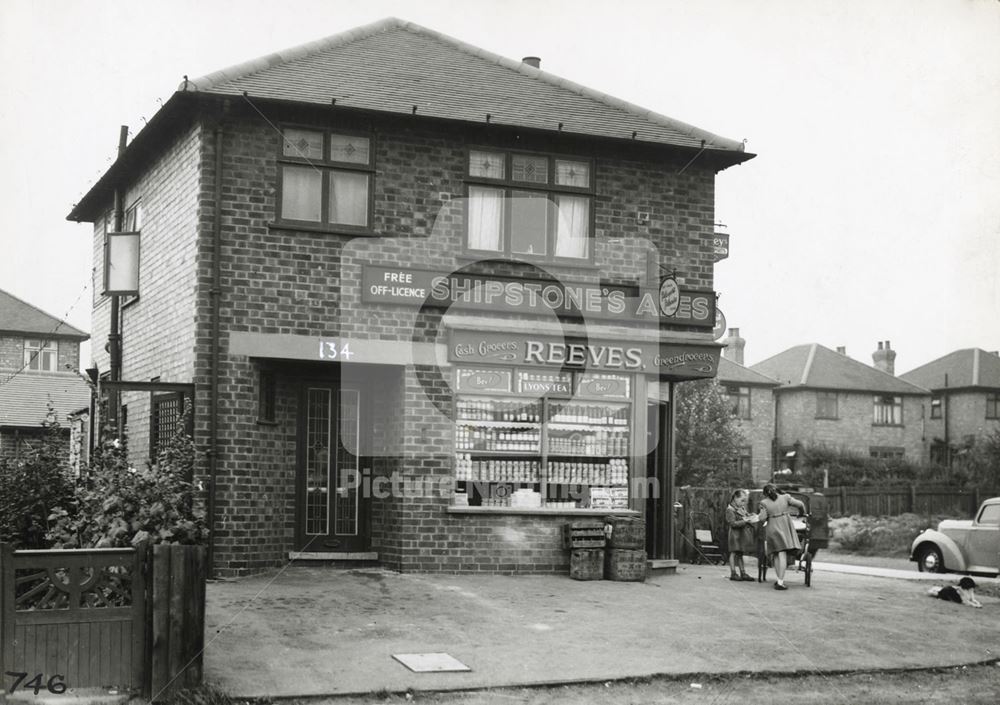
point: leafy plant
(123, 505)
(708, 440)
(32, 485)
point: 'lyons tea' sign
(418, 287)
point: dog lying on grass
(964, 593)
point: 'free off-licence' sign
(666, 359)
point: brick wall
(759, 431)
(966, 416)
(12, 353)
(853, 430)
(69, 356)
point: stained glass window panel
(533, 170)
(303, 144)
(349, 148)
(572, 173)
(486, 164)
(318, 462)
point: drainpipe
(947, 440)
(214, 293)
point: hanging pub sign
(418, 287)
(680, 360)
(121, 264)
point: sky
(871, 213)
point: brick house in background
(751, 395)
(965, 399)
(39, 366)
(828, 399)
(392, 256)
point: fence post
(913, 498)
(6, 606)
(843, 500)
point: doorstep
(332, 556)
(663, 566)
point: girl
(742, 535)
(779, 533)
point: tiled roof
(971, 367)
(24, 399)
(18, 316)
(817, 367)
(392, 65)
(733, 373)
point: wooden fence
(131, 619)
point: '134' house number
(335, 350)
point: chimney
(842, 349)
(734, 346)
(532, 61)
(885, 358)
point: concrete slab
(312, 630)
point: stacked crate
(625, 557)
(585, 541)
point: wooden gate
(79, 614)
(130, 619)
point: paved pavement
(311, 630)
(942, 578)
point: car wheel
(929, 560)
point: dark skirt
(742, 539)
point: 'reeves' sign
(414, 287)
(666, 359)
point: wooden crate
(625, 565)
(626, 532)
(586, 564)
(583, 534)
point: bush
(883, 536)
(847, 469)
(31, 486)
(124, 505)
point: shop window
(826, 405)
(326, 178)
(888, 410)
(529, 206)
(739, 401)
(886, 453)
(41, 355)
(267, 397)
(530, 438)
(936, 407)
(993, 405)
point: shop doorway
(331, 507)
(659, 467)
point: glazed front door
(332, 511)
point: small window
(326, 178)
(936, 406)
(41, 355)
(826, 405)
(993, 405)
(888, 411)
(267, 397)
(531, 206)
(739, 401)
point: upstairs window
(529, 206)
(739, 401)
(826, 405)
(993, 405)
(41, 355)
(326, 178)
(936, 407)
(888, 411)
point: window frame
(739, 396)
(550, 189)
(993, 400)
(878, 403)
(937, 402)
(325, 166)
(820, 396)
(32, 353)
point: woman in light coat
(779, 533)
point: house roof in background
(18, 316)
(24, 398)
(731, 372)
(817, 367)
(971, 367)
(393, 65)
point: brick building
(826, 398)
(418, 289)
(39, 363)
(965, 399)
(751, 395)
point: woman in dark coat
(779, 533)
(742, 533)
